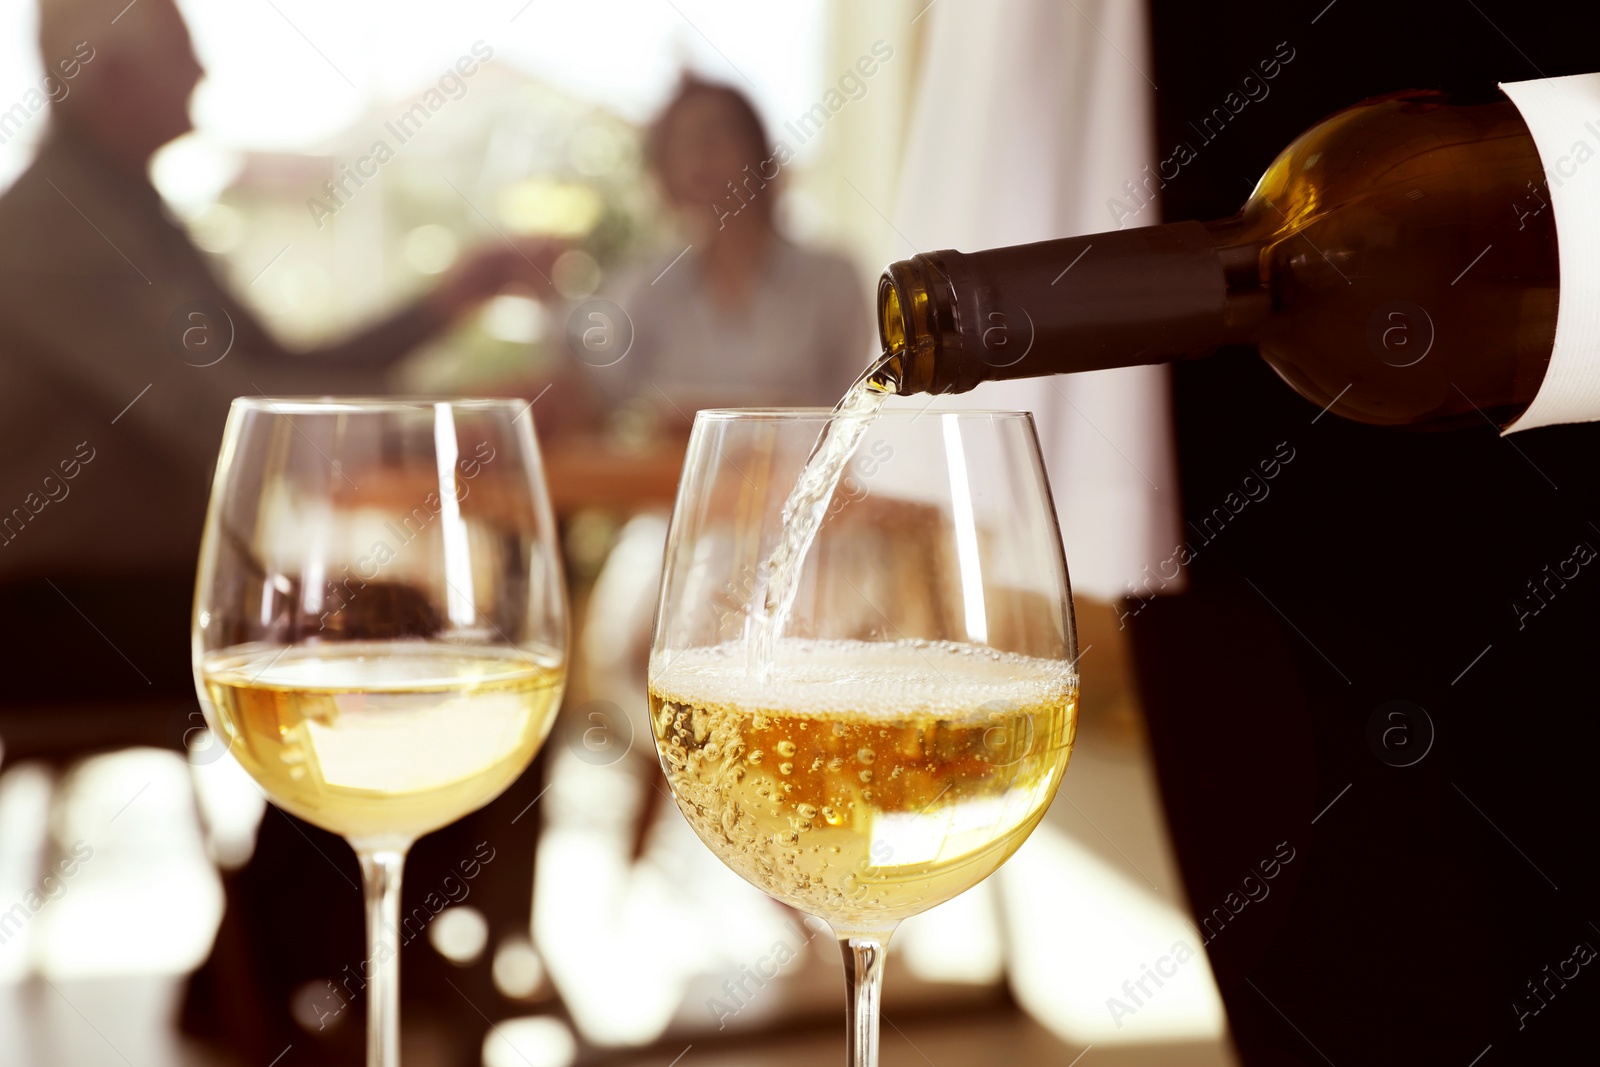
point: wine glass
(919, 705)
(380, 625)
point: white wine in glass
(895, 738)
(868, 780)
(380, 625)
(383, 739)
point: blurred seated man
(119, 352)
(744, 315)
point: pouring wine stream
(807, 506)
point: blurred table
(591, 473)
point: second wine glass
(919, 706)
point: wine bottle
(1398, 264)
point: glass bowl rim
(327, 405)
(819, 414)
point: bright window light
(1080, 932)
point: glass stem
(380, 876)
(863, 976)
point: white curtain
(1029, 115)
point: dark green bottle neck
(950, 320)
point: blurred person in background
(121, 351)
(740, 314)
(732, 313)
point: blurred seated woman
(732, 314)
(737, 314)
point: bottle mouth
(919, 325)
(888, 374)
